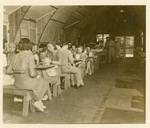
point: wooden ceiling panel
(36, 12)
(71, 21)
(64, 13)
(83, 10)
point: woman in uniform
(22, 66)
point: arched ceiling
(84, 19)
(36, 12)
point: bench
(12, 90)
(56, 90)
(66, 79)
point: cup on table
(46, 61)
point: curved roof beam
(61, 15)
(40, 36)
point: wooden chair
(12, 90)
(56, 90)
(66, 78)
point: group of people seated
(20, 67)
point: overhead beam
(28, 19)
(47, 14)
(57, 21)
(72, 24)
(75, 18)
(54, 7)
(80, 13)
(46, 25)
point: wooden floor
(113, 94)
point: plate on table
(77, 60)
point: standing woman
(84, 57)
(35, 53)
(90, 62)
(11, 52)
(22, 66)
(7, 79)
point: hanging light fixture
(122, 9)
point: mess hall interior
(80, 64)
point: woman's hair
(43, 46)
(24, 44)
(52, 43)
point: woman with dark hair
(52, 75)
(22, 66)
(49, 52)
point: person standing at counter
(110, 47)
(22, 65)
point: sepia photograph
(74, 64)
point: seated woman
(57, 56)
(79, 58)
(57, 59)
(51, 75)
(79, 63)
(84, 56)
(73, 50)
(22, 66)
(42, 50)
(90, 62)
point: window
(100, 37)
(28, 30)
